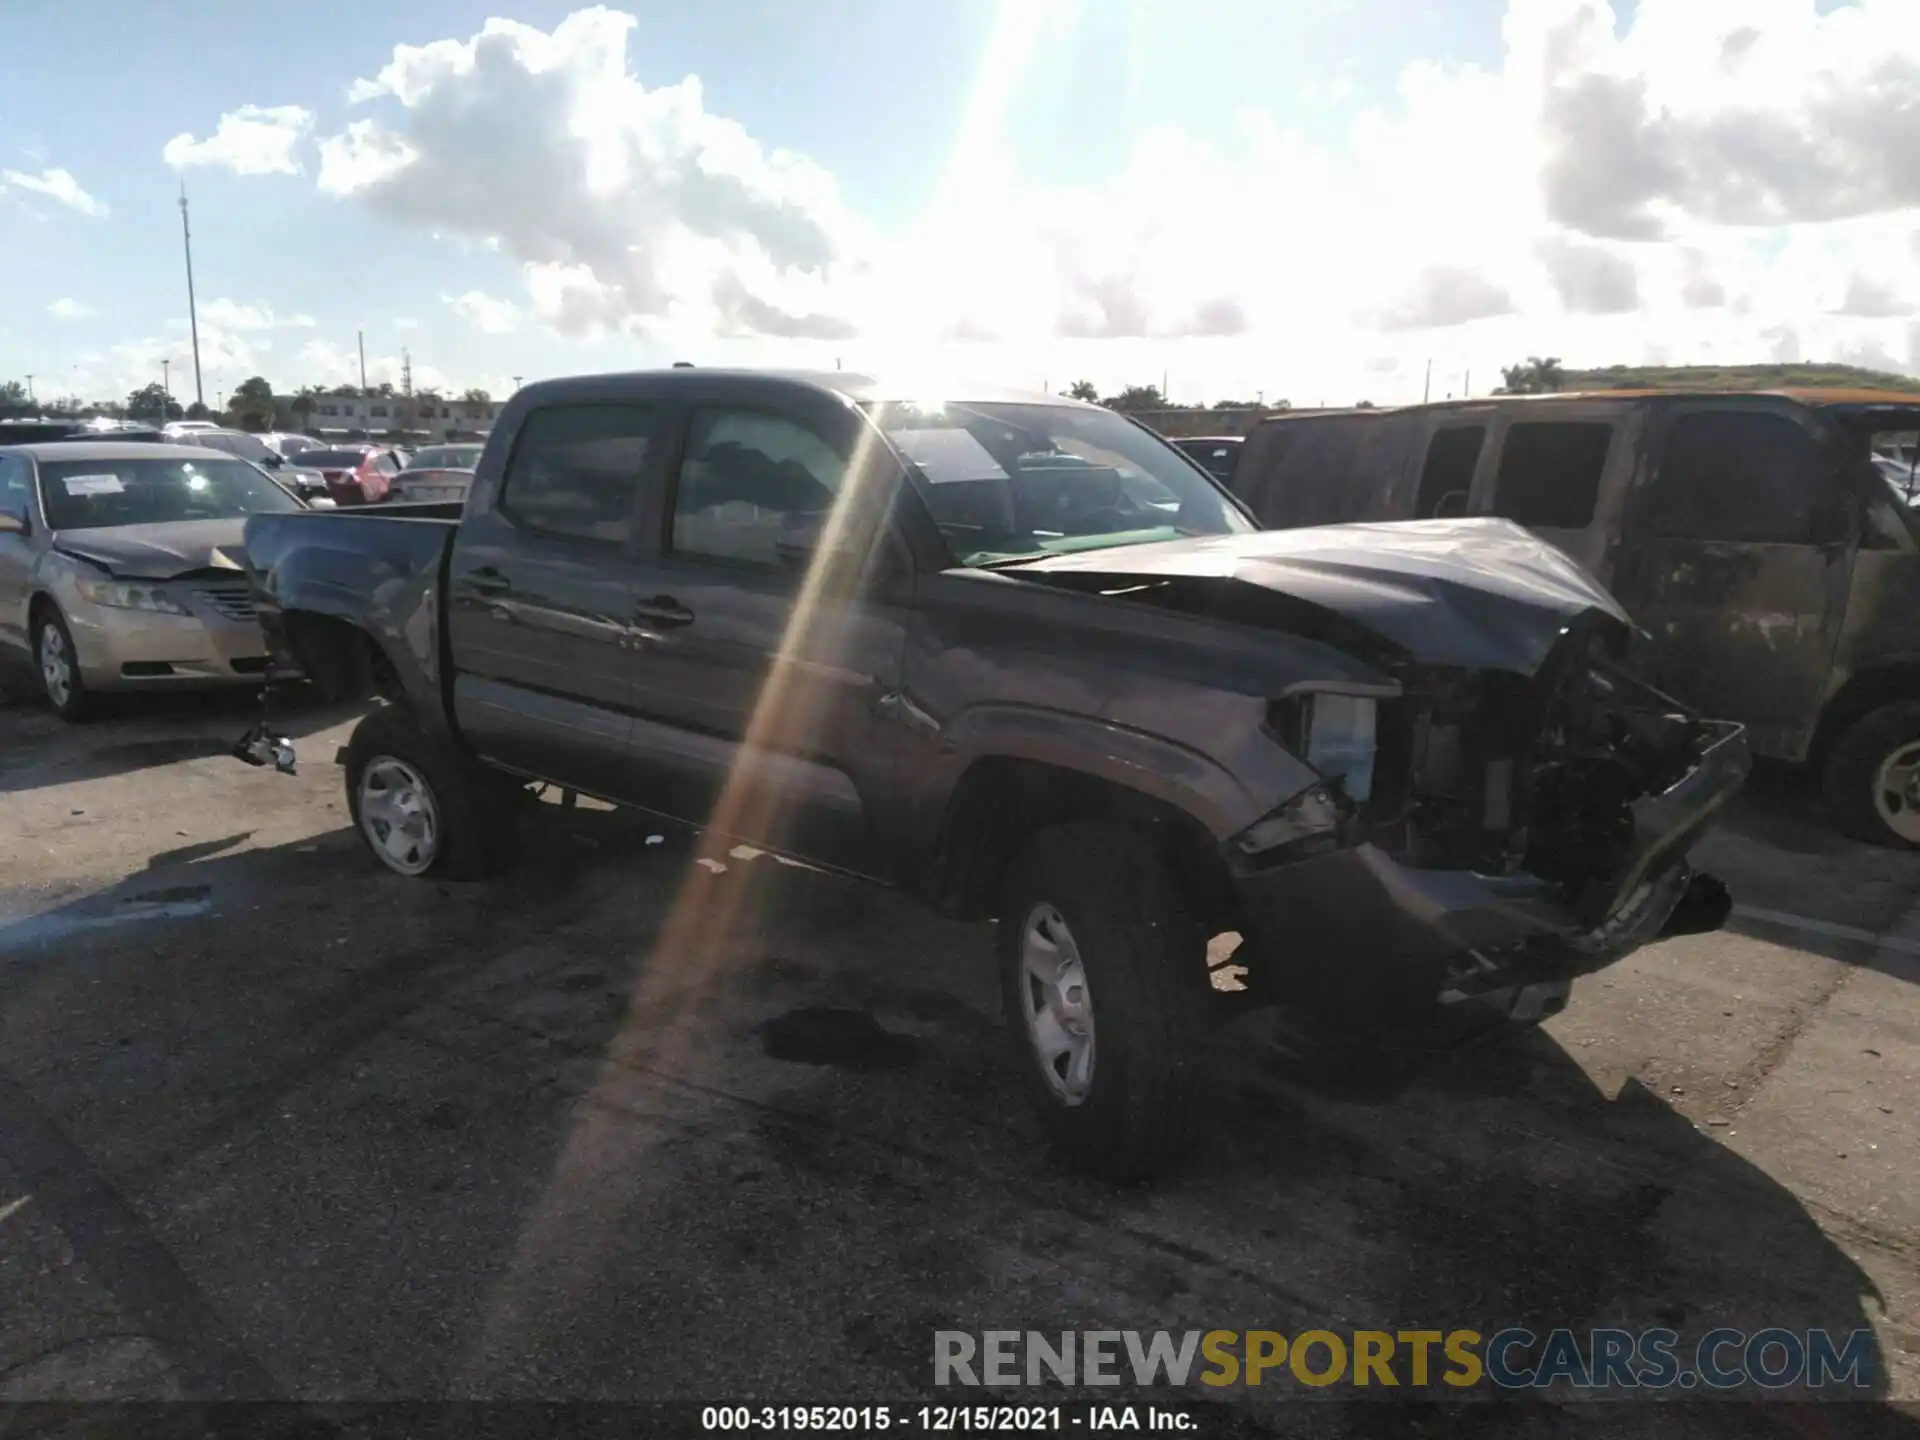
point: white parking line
(1828, 928)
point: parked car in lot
(308, 483)
(178, 428)
(356, 474)
(435, 474)
(122, 568)
(1749, 535)
(1215, 454)
(1017, 655)
(288, 443)
(44, 431)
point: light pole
(29, 389)
(166, 391)
(516, 382)
(193, 314)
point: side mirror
(321, 502)
(12, 524)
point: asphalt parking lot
(275, 1124)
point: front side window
(1011, 482)
(748, 479)
(1446, 479)
(1741, 476)
(1550, 473)
(100, 494)
(576, 470)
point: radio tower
(406, 373)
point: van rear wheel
(1872, 776)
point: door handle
(488, 581)
(663, 611)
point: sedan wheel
(399, 816)
(56, 666)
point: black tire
(1852, 772)
(476, 818)
(48, 625)
(1144, 963)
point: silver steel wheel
(56, 665)
(1057, 1004)
(1896, 792)
(398, 815)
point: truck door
(1736, 557)
(540, 592)
(757, 694)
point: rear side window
(13, 486)
(748, 479)
(1550, 473)
(1738, 476)
(1447, 477)
(576, 470)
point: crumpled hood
(160, 552)
(1479, 593)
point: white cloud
(231, 315)
(321, 362)
(406, 322)
(253, 140)
(56, 185)
(627, 205)
(486, 314)
(68, 309)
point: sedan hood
(160, 552)
(1480, 594)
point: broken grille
(233, 601)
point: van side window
(1736, 475)
(576, 469)
(1447, 477)
(1550, 473)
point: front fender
(1132, 759)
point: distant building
(350, 417)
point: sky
(1321, 201)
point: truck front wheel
(1103, 980)
(1872, 776)
(422, 808)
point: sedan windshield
(99, 494)
(1017, 482)
(445, 457)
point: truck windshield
(99, 494)
(1017, 482)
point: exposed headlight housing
(131, 595)
(1337, 734)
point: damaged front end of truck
(1511, 809)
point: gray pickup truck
(1022, 657)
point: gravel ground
(274, 1124)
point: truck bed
(376, 569)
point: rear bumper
(1356, 932)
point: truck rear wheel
(1872, 776)
(422, 808)
(1103, 980)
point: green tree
(303, 403)
(344, 390)
(1535, 376)
(198, 411)
(1084, 390)
(477, 396)
(251, 406)
(1136, 398)
(13, 398)
(150, 402)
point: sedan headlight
(127, 595)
